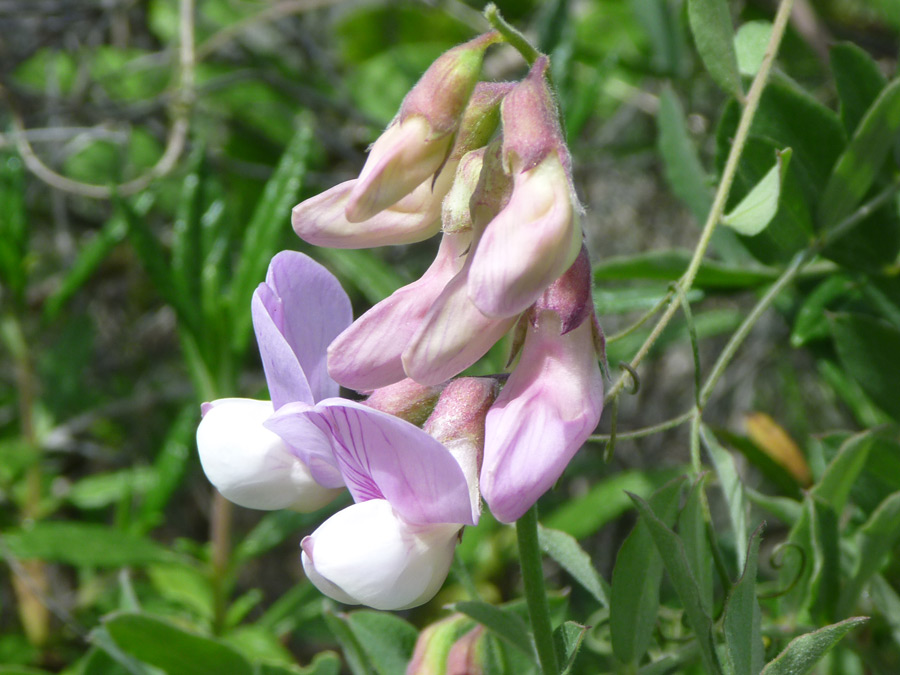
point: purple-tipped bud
(407, 400)
(434, 645)
(569, 297)
(417, 143)
(367, 355)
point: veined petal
(366, 355)
(408, 153)
(308, 441)
(549, 406)
(529, 244)
(383, 456)
(367, 554)
(305, 303)
(321, 220)
(250, 465)
(453, 335)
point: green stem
(647, 431)
(510, 34)
(724, 189)
(535, 593)
(747, 324)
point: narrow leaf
(862, 159)
(692, 529)
(803, 652)
(757, 209)
(564, 549)
(732, 488)
(504, 624)
(671, 549)
(634, 595)
(743, 620)
(387, 640)
(714, 36)
(750, 46)
(858, 79)
(568, 639)
(684, 172)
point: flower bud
(468, 655)
(434, 645)
(366, 554)
(417, 143)
(367, 355)
(536, 236)
(406, 399)
(551, 402)
(250, 465)
(481, 118)
(456, 215)
(458, 423)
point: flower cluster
(486, 165)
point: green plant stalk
(510, 34)
(724, 189)
(535, 593)
(647, 431)
(29, 580)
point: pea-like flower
(247, 463)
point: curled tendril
(776, 560)
(635, 380)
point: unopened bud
(434, 645)
(481, 118)
(406, 399)
(455, 211)
(468, 654)
(569, 297)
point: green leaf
(669, 265)
(875, 540)
(387, 640)
(811, 322)
(684, 172)
(859, 80)
(184, 585)
(666, 37)
(692, 530)
(83, 544)
(634, 595)
(175, 651)
(756, 210)
(623, 300)
(564, 549)
(787, 510)
(13, 226)
(803, 652)
(862, 159)
(90, 256)
(732, 488)
(373, 277)
(568, 638)
(503, 623)
(671, 549)
(156, 263)
(603, 503)
(187, 248)
(750, 46)
(714, 36)
(870, 352)
(270, 220)
(743, 620)
(834, 486)
(354, 655)
(324, 663)
(273, 528)
(103, 489)
(168, 468)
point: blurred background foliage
(149, 157)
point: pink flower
(551, 402)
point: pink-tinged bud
(531, 128)
(434, 645)
(417, 143)
(549, 406)
(322, 221)
(533, 240)
(367, 355)
(458, 423)
(536, 236)
(407, 400)
(468, 655)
